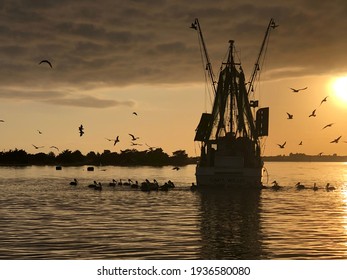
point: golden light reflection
(344, 200)
(340, 88)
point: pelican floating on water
(329, 188)
(98, 187)
(113, 183)
(74, 182)
(275, 186)
(299, 186)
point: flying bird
(300, 143)
(320, 154)
(282, 146)
(297, 90)
(37, 147)
(313, 114)
(135, 144)
(133, 138)
(116, 141)
(336, 140)
(274, 25)
(39, 131)
(328, 125)
(54, 147)
(46, 61)
(81, 130)
(176, 168)
(290, 116)
(324, 100)
(150, 148)
(134, 113)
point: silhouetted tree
(14, 157)
(154, 157)
(179, 157)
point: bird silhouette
(46, 61)
(54, 147)
(336, 140)
(176, 168)
(297, 90)
(328, 125)
(193, 26)
(299, 186)
(116, 141)
(282, 146)
(150, 148)
(320, 154)
(329, 188)
(300, 143)
(134, 113)
(135, 144)
(133, 138)
(290, 116)
(98, 187)
(275, 186)
(274, 25)
(313, 114)
(324, 100)
(81, 130)
(2, 121)
(37, 147)
(113, 183)
(39, 131)
(74, 182)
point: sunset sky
(111, 58)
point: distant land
(133, 157)
(299, 157)
(129, 157)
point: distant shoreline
(305, 158)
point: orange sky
(111, 58)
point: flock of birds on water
(276, 187)
(313, 114)
(145, 186)
(148, 186)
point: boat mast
(196, 25)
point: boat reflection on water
(230, 224)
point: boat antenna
(196, 25)
(272, 25)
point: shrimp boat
(229, 135)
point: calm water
(43, 217)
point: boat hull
(228, 177)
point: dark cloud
(120, 43)
(90, 102)
(65, 98)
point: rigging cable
(207, 89)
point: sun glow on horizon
(340, 88)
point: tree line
(129, 157)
